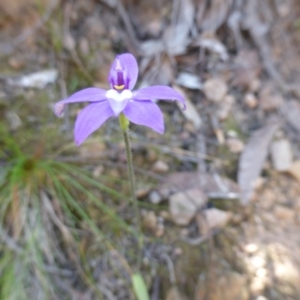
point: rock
(230, 286)
(154, 197)
(184, 205)
(160, 230)
(250, 100)
(294, 170)
(160, 167)
(225, 107)
(174, 294)
(142, 192)
(254, 85)
(284, 213)
(98, 171)
(13, 120)
(285, 270)
(149, 220)
(84, 46)
(92, 149)
(269, 99)
(215, 89)
(16, 63)
(212, 218)
(267, 199)
(247, 69)
(281, 155)
(69, 42)
(257, 286)
(165, 215)
(151, 155)
(235, 145)
(3, 95)
(251, 248)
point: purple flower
(138, 106)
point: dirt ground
(220, 190)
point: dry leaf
(247, 68)
(212, 185)
(190, 112)
(176, 37)
(188, 80)
(212, 44)
(37, 80)
(211, 15)
(252, 160)
(152, 47)
(291, 112)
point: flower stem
(124, 124)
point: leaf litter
(188, 44)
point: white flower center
(119, 97)
(118, 101)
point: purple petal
(158, 92)
(90, 119)
(128, 69)
(85, 95)
(145, 113)
(130, 64)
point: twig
(11, 243)
(117, 5)
(170, 268)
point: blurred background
(219, 192)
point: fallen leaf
(291, 112)
(188, 80)
(252, 160)
(214, 186)
(247, 68)
(37, 80)
(190, 112)
(176, 36)
(211, 15)
(212, 44)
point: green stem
(124, 124)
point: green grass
(45, 210)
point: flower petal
(130, 69)
(85, 95)
(145, 113)
(130, 64)
(90, 119)
(158, 92)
